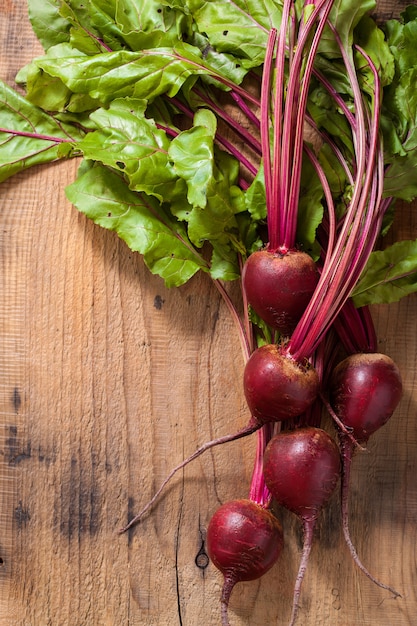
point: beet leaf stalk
(360, 226)
(280, 279)
(283, 160)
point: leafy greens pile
(161, 99)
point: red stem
(297, 98)
(265, 125)
(357, 235)
(33, 135)
(259, 492)
(274, 221)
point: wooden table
(108, 379)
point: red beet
(279, 286)
(277, 387)
(244, 540)
(301, 469)
(365, 389)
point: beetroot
(244, 540)
(365, 389)
(278, 286)
(277, 387)
(302, 469)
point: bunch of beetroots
(306, 306)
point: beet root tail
(347, 449)
(308, 526)
(250, 428)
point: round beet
(276, 387)
(301, 470)
(365, 389)
(279, 286)
(364, 392)
(244, 540)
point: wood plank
(108, 380)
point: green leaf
(49, 92)
(150, 25)
(126, 140)
(400, 179)
(222, 63)
(389, 275)
(47, 23)
(104, 197)
(345, 16)
(238, 27)
(255, 197)
(224, 264)
(310, 207)
(192, 154)
(41, 138)
(372, 39)
(402, 37)
(145, 74)
(216, 222)
(399, 120)
(92, 30)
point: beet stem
(348, 449)
(308, 527)
(259, 492)
(250, 428)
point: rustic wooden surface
(107, 380)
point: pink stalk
(274, 222)
(355, 329)
(331, 215)
(265, 125)
(251, 115)
(283, 170)
(229, 146)
(297, 93)
(357, 235)
(336, 150)
(259, 492)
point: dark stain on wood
(79, 507)
(16, 400)
(13, 448)
(158, 302)
(21, 515)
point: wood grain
(107, 381)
